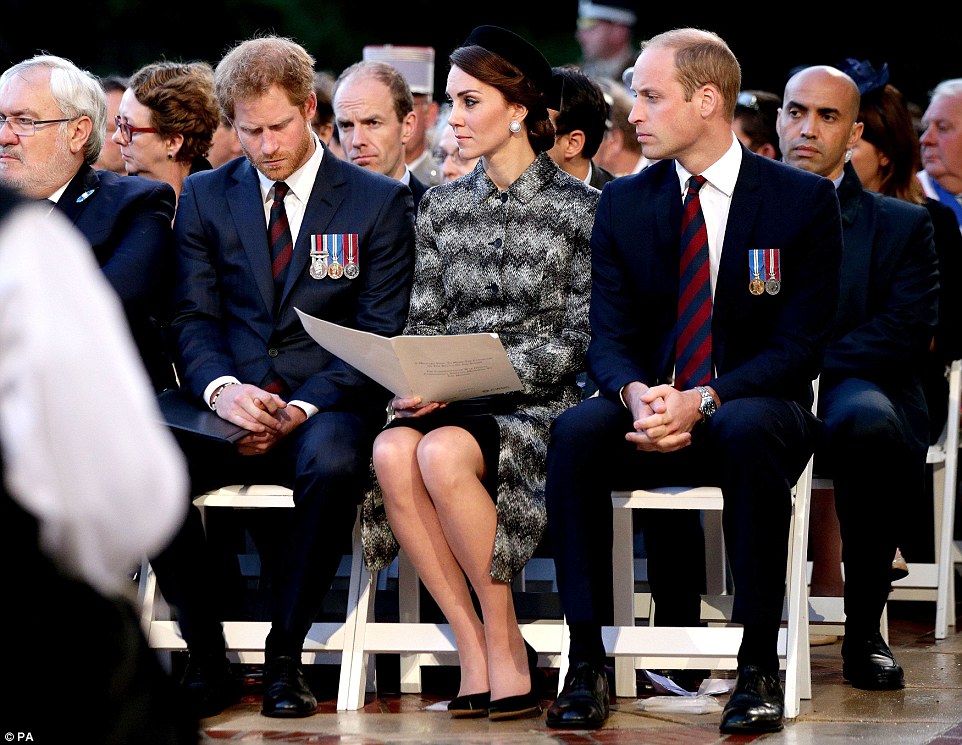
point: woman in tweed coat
(502, 249)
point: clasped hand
(663, 417)
(412, 406)
(266, 415)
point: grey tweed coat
(516, 263)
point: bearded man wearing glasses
(52, 128)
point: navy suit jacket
(126, 220)
(418, 189)
(224, 323)
(888, 307)
(763, 345)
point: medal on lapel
(351, 265)
(336, 269)
(773, 284)
(319, 257)
(756, 265)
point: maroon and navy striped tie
(693, 329)
(279, 236)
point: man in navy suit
(56, 122)
(870, 395)
(774, 240)
(242, 351)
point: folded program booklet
(183, 414)
(436, 368)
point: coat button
(504, 197)
(497, 243)
(272, 352)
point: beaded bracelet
(213, 400)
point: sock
(586, 644)
(760, 647)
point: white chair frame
(715, 646)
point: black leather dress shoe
(757, 704)
(583, 703)
(286, 693)
(869, 663)
(209, 685)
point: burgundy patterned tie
(279, 235)
(693, 328)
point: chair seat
(333, 642)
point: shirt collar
(722, 174)
(301, 182)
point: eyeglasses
(442, 155)
(23, 126)
(748, 100)
(127, 132)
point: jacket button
(272, 352)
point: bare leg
(452, 468)
(415, 523)
(826, 543)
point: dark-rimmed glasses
(127, 132)
(24, 126)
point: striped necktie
(693, 329)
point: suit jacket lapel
(85, 180)
(247, 211)
(746, 201)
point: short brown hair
(702, 57)
(254, 66)
(181, 100)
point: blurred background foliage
(118, 36)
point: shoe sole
(288, 713)
(877, 684)
(497, 716)
(467, 713)
(755, 729)
(576, 725)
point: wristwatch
(707, 406)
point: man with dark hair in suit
(580, 126)
(288, 227)
(760, 253)
(55, 124)
(871, 400)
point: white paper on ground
(716, 686)
(437, 706)
(690, 704)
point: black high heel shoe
(525, 705)
(470, 706)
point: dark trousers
(325, 462)
(753, 448)
(874, 464)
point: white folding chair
(927, 581)
(325, 642)
(423, 643)
(716, 645)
